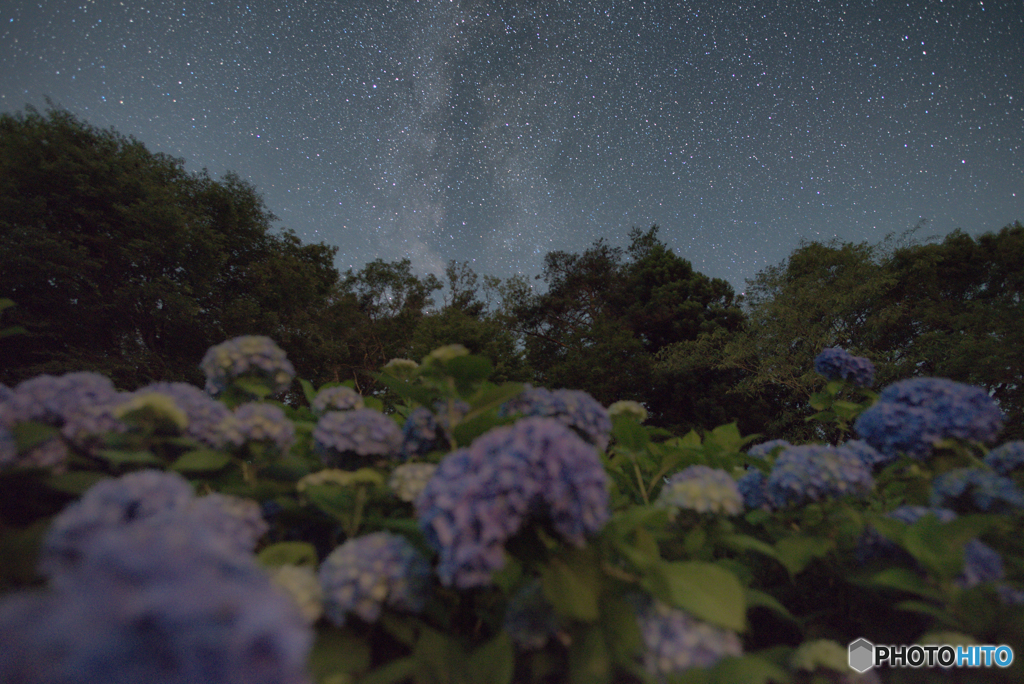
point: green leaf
(494, 662)
(726, 437)
(119, 457)
(401, 670)
(707, 591)
(307, 390)
(336, 651)
(904, 579)
(332, 500)
(469, 369)
(621, 631)
(406, 390)
(201, 460)
(439, 658)
(743, 542)
(255, 386)
(927, 609)
(74, 482)
(288, 553)
(629, 433)
(487, 398)
(589, 661)
(756, 598)
(749, 669)
(30, 434)
(572, 585)
(820, 401)
(798, 551)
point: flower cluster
(675, 641)
(410, 479)
(1006, 458)
(867, 454)
(573, 408)
(260, 423)
(420, 433)
(702, 489)
(965, 489)
(366, 573)
(237, 520)
(529, 619)
(912, 415)
(302, 584)
(628, 408)
(481, 496)
(247, 356)
(754, 488)
(338, 398)
(203, 413)
(764, 449)
(348, 439)
(400, 368)
(814, 472)
(142, 591)
(837, 364)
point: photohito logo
(864, 655)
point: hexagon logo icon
(862, 655)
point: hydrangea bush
(484, 533)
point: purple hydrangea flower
(815, 472)
(366, 573)
(338, 398)
(982, 563)
(255, 422)
(912, 415)
(450, 412)
(481, 496)
(409, 480)
(248, 355)
(529, 619)
(764, 449)
(239, 521)
(348, 439)
(976, 488)
(573, 408)
(868, 455)
(421, 433)
(1006, 458)
(837, 364)
(702, 489)
(204, 413)
(676, 642)
(754, 488)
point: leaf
(336, 651)
(749, 669)
(797, 552)
(572, 586)
(494, 662)
(743, 542)
(255, 386)
(629, 433)
(439, 658)
(201, 460)
(487, 398)
(927, 609)
(288, 553)
(760, 599)
(119, 457)
(469, 369)
(904, 579)
(334, 501)
(307, 390)
(621, 630)
(588, 660)
(406, 390)
(396, 671)
(29, 434)
(707, 591)
(74, 482)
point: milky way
(497, 132)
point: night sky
(499, 131)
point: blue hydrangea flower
(410, 479)
(529, 619)
(85, 426)
(675, 641)
(982, 563)
(912, 415)
(1006, 458)
(421, 433)
(366, 573)
(349, 439)
(764, 449)
(249, 355)
(255, 422)
(481, 496)
(51, 399)
(837, 364)
(968, 488)
(204, 413)
(873, 545)
(239, 521)
(868, 455)
(815, 472)
(754, 488)
(8, 447)
(338, 398)
(450, 412)
(573, 408)
(702, 489)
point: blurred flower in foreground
(814, 472)
(238, 520)
(912, 415)
(302, 584)
(253, 356)
(965, 489)
(366, 573)
(1006, 458)
(702, 489)
(837, 364)
(349, 439)
(573, 408)
(676, 642)
(481, 496)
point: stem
(640, 482)
(357, 512)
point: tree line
(122, 262)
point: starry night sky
(499, 131)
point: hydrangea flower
(628, 408)
(366, 573)
(238, 520)
(255, 422)
(160, 406)
(676, 642)
(815, 472)
(203, 413)
(446, 353)
(410, 479)
(400, 368)
(573, 408)
(481, 496)
(754, 488)
(967, 488)
(912, 415)
(1006, 458)
(868, 455)
(529, 619)
(248, 355)
(303, 586)
(421, 433)
(837, 364)
(338, 398)
(8, 447)
(982, 563)
(702, 489)
(450, 412)
(348, 439)
(156, 601)
(764, 449)
(85, 426)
